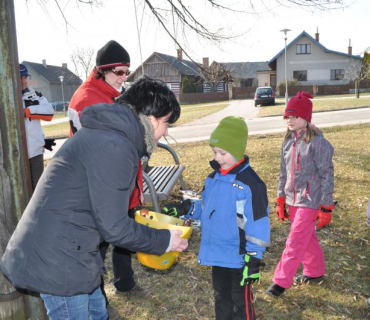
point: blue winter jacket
(234, 217)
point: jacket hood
(117, 118)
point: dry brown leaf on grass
(332, 308)
(359, 267)
(297, 305)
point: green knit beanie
(231, 135)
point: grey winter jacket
(82, 199)
(306, 172)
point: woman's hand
(178, 244)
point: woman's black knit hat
(112, 55)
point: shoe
(275, 291)
(306, 279)
(137, 291)
(112, 313)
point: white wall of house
(263, 79)
(318, 65)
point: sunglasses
(120, 73)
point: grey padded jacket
(306, 172)
(81, 199)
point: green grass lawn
(319, 104)
(59, 115)
(58, 130)
(194, 112)
(188, 114)
(185, 290)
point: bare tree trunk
(14, 171)
(357, 89)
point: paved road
(200, 130)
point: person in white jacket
(36, 107)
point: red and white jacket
(36, 107)
(91, 92)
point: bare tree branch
(180, 13)
(82, 58)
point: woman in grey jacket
(55, 247)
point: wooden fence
(320, 90)
(243, 92)
(203, 97)
(248, 92)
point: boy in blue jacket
(234, 220)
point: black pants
(232, 301)
(122, 269)
(36, 169)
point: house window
(246, 82)
(303, 49)
(300, 75)
(337, 74)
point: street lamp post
(286, 79)
(61, 82)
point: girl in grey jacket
(306, 185)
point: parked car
(264, 95)
(58, 105)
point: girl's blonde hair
(310, 133)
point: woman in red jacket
(103, 85)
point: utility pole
(286, 78)
(61, 78)
(15, 184)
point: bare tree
(365, 68)
(180, 17)
(216, 74)
(358, 71)
(180, 13)
(82, 59)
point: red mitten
(280, 209)
(324, 215)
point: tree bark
(15, 183)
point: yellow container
(160, 221)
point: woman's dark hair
(152, 98)
(100, 73)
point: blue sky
(42, 33)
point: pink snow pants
(302, 246)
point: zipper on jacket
(308, 192)
(211, 214)
(293, 165)
(298, 161)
